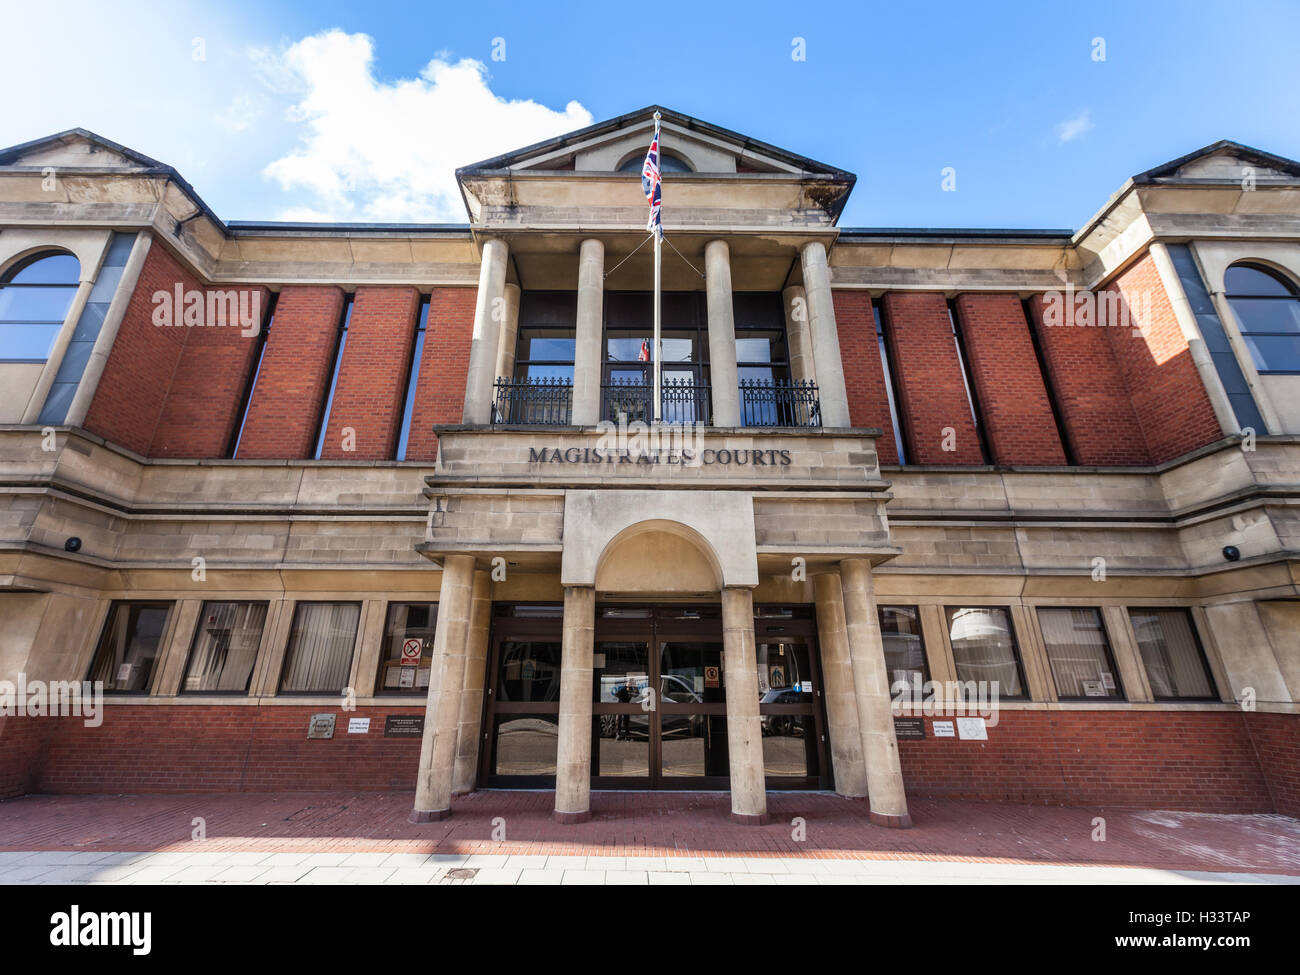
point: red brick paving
(653, 824)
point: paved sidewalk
(510, 837)
(52, 867)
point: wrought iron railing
(779, 403)
(682, 401)
(541, 401)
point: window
(34, 300)
(668, 163)
(1268, 309)
(889, 382)
(413, 379)
(225, 648)
(905, 665)
(400, 672)
(257, 372)
(971, 399)
(547, 340)
(1172, 654)
(1079, 653)
(128, 648)
(319, 658)
(763, 363)
(984, 649)
(334, 376)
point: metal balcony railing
(682, 401)
(779, 403)
(540, 402)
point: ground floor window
(319, 658)
(984, 648)
(404, 665)
(129, 645)
(1172, 654)
(900, 632)
(1079, 653)
(225, 647)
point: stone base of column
(744, 819)
(570, 819)
(428, 815)
(892, 822)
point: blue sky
(334, 111)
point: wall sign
(972, 729)
(411, 650)
(673, 458)
(404, 726)
(321, 726)
(943, 729)
(905, 728)
(358, 726)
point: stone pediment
(77, 149)
(1224, 162)
(712, 176)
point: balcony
(546, 402)
(683, 401)
(779, 403)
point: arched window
(34, 300)
(668, 163)
(1268, 308)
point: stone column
(573, 760)
(471, 699)
(825, 337)
(798, 334)
(442, 713)
(744, 730)
(509, 334)
(722, 335)
(587, 353)
(838, 688)
(489, 313)
(871, 683)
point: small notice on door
(711, 676)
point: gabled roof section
(78, 148)
(1222, 162)
(757, 154)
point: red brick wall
(929, 379)
(173, 391)
(1153, 759)
(284, 413)
(22, 753)
(1276, 738)
(207, 389)
(224, 748)
(444, 364)
(1017, 414)
(864, 377)
(372, 375)
(133, 387)
(1091, 393)
(1168, 397)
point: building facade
(985, 514)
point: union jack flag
(651, 184)
(644, 354)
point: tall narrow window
(905, 665)
(258, 356)
(34, 300)
(406, 661)
(890, 392)
(971, 398)
(339, 347)
(1079, 653)
(128, 647)
(1268, 310)
(413, 378)
(1049, 387)
(1172, 654)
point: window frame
(7, 281)
(1016, 653)
(1108, 646)
(198, 632)
(1216, 694)
(414, 690)
(148, 690)
(925, 653)
(288, 645)
(1246, 333)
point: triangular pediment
(76, 149)
(1224, 162)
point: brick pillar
(284, 413)
(930, 381)
(372, 375)
(1093, 399)
(1017, 413)
(864, 376)
(440, 390)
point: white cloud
(1072, 128)
(373, 150)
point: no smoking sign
(411, 652)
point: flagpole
(658, 407)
